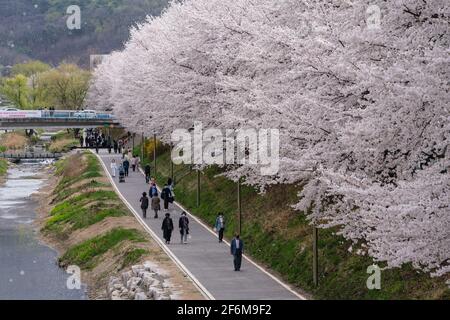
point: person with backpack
(147, 171)
(167, 227)
(220, 225)
(144, 204)
(121, 174)
(183, 224)
(166, 195)
(156, 205)
(153, 190)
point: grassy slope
(80, 200)
(62, 142)
(87, 253)
(280, 238)
(13, 141)
(3, 167)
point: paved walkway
(204, 259)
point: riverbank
(84, 220)
(28, 268)
(3, 170)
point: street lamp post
(171, 163)
(315, 256)
(154, 152)
(142, 147)
(198, 187)
(239, 204)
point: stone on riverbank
(142, 282)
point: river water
(28, 268)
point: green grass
(67, 192)
(62, 141)
(3, 167)
(86, 254)
(82, 206)
(62, 134)
(133, 256)
(88, 203)
(280, 238)
(84, 210)
(92, 171)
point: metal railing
(54, 114)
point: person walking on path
(115, 146)
(121, 173)
(170, 184)
(220, 225)
(183, 224)
(144, 204)
(167, 227)
(134, 163)
(137, 162)
(113, 167)
(166, 195)
(126, 166)
(119, 146)
(237, 249)
(147, 171)
(156, 205)
(153, 190)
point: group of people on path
(124, 166)
(152, 200)
(183, 225)
(95, 138)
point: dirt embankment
(13, 141)
(82, 218)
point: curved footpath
(206, 261)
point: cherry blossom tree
(358, 90)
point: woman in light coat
(113, 167)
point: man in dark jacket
(166, 195)
(144, 204)
(147, 171)
(237, 249)
(167, 227)
(126, 166)
(183, 224)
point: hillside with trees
(37, 29)
(35, 85)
